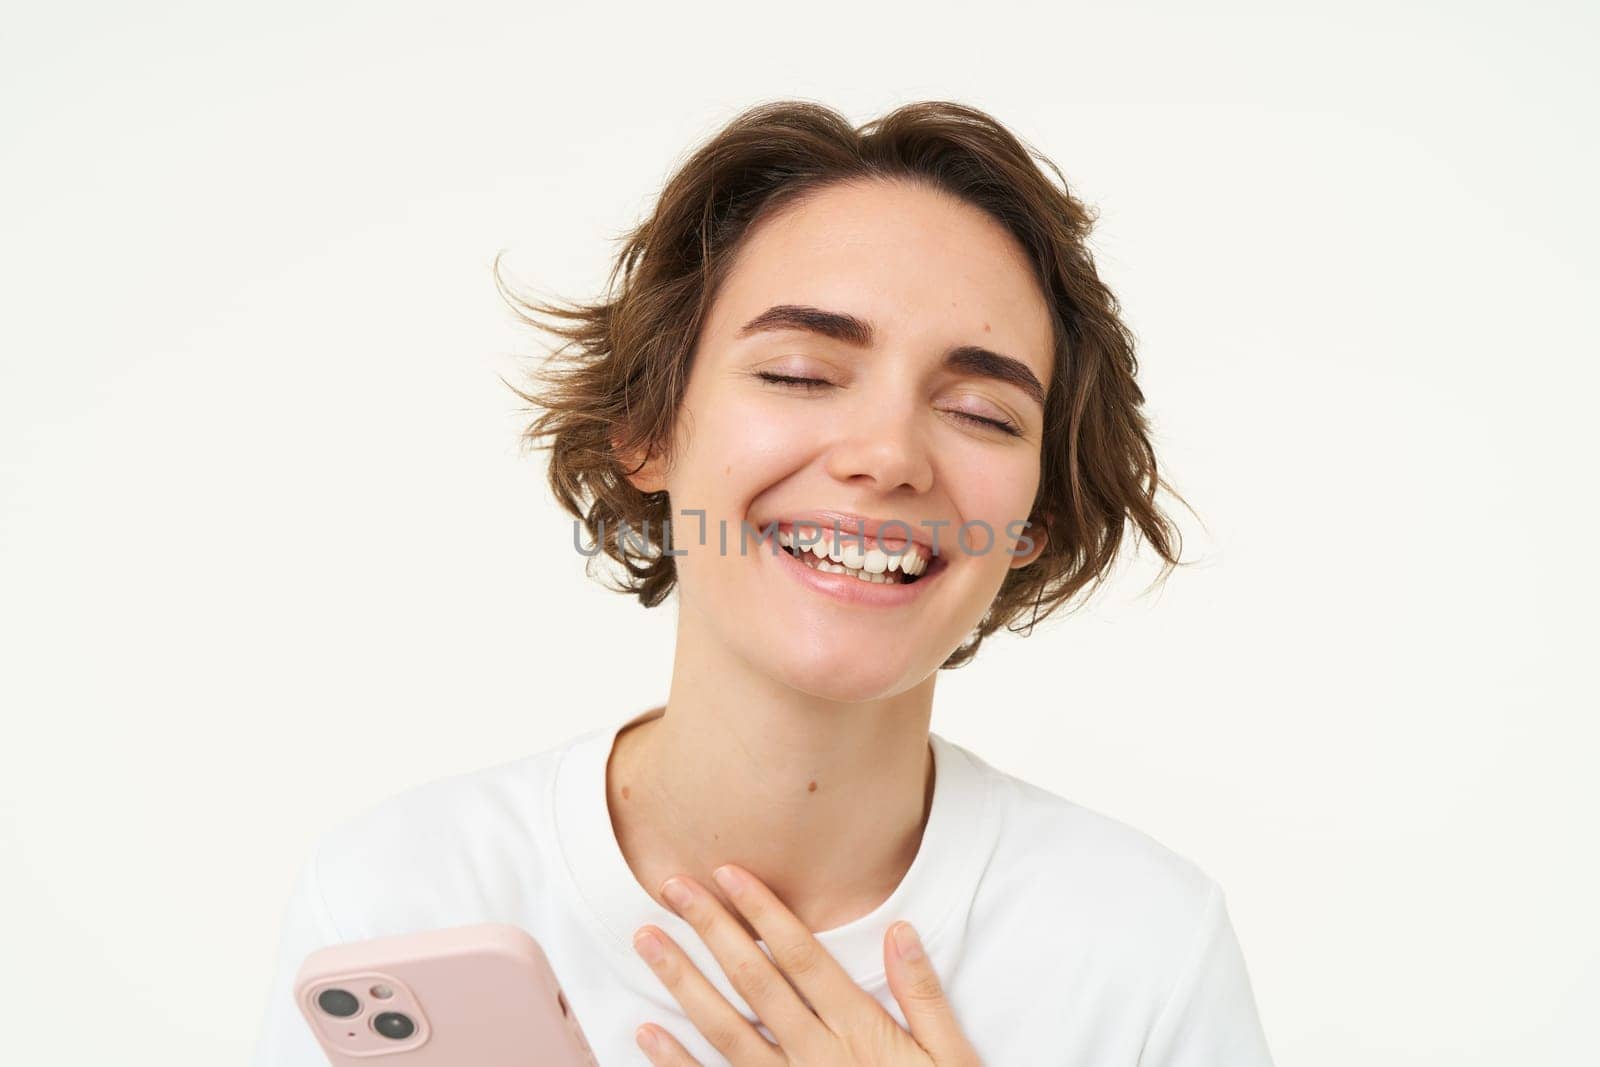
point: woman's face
(891, 434)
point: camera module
(338, 1002)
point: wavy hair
(614, 385)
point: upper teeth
(848, 553)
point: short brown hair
(614, 387)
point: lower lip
(847, 588)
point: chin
(844, 675)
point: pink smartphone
(463, 996)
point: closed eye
(791, 380)
(813, 384)
(999, 424)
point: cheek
(997, 493)
(737, 449)
(730, 460)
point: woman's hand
(837, 1024)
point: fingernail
(649, 946)
(646, 1038)
(906, 943)
(729, 880)
(677, 894)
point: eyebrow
(966, 359)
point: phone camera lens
(395, 1025)
(338, 1002)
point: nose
(882, 444)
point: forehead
(925, 268)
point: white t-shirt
(1062, 936)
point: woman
(861, 399)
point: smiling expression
(880, 350)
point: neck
(824, 801)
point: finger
(917, 989)
(820, 978)
(757, 979)
(662, 1048)
(729, 1032)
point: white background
(269, 551)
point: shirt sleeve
(1210, 1018)
(285, 1039)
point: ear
(643, 473)
(1037, 532)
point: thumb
(917, 990)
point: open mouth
(873, 565)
